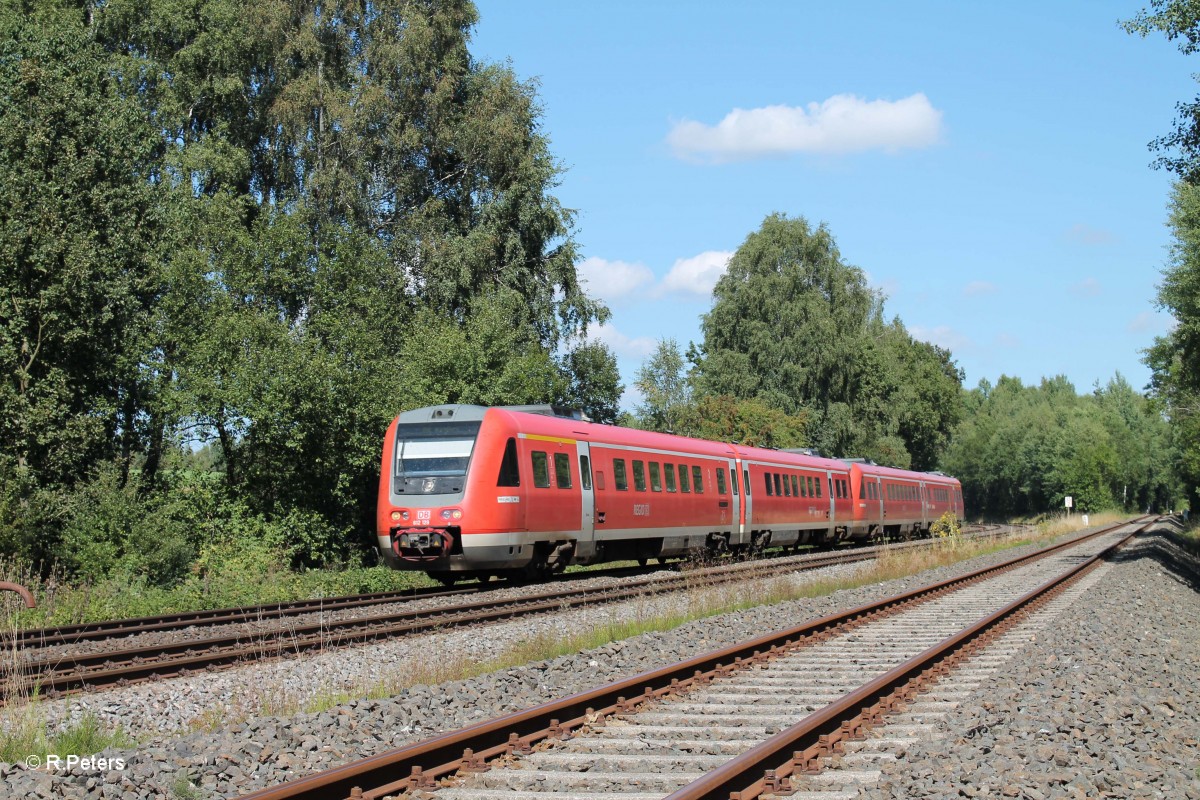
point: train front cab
(450, 499)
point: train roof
(894, 472)
(550, 421)
(787, 457)
(569, 428)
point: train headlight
(451, 513)
(395, 516)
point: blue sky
(984, 164)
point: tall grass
(702, 599)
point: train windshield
(434, 450)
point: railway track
(58, 672)
(746, 721)
(123, 628)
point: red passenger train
(468, 491)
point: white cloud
(842, 124)
(1088, 287)
(1142, 322)
(638, 347)
(942, 336)
(977, 288)
(696, 275)
(611, 280)
(1085, 234)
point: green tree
(752, 422)
(273, 225)
(663, 381)
(797, 328)
(80, 222)
(1177, 20)
(1174, 359)
(1020, 450)
(366, 223)
(594, 382)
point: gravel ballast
(266, 750)
(1106, 704)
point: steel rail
(420, 764)
(802, 746)
(107, 629)
(74, 672)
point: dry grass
(700, 600)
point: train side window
(767, 475)
(510, 474)
(585, 472)
(698, 480)
(619, 478)
(805, 482)
(787, 487)
(862, 490)
(683, 479)
(795, 487)
(541, 470)
(817, 486)
(639, 476)
(562, 470)
(721, 480)
(778, 493)
(746, 481)
(733, 479)
(655, 477)
(669, 475)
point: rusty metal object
(67, 673)
(421, 764)
(802, 747)
(89, 631)
(26, 595)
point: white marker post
(1070, 502)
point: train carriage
(793, 497)
(472, 491)
(899, 503)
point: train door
(587, 526)
(874, 491)
(747, 519)
(736, 526)
(924, 492)
(831, 514)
